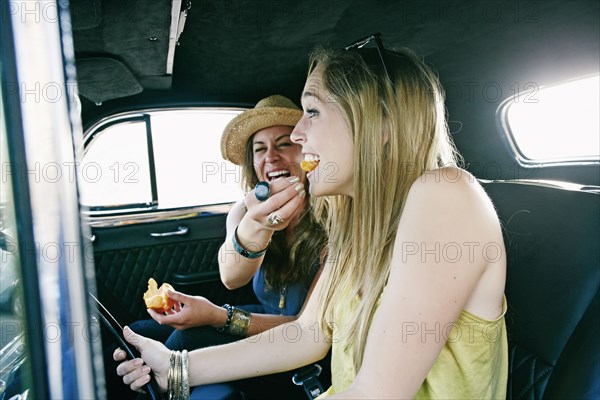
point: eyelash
(284, 144)
(312, 112)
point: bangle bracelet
(185, 375)
(240, 321)
(225, 327)
(243, 252)
(179, 376)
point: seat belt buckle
(307, 377)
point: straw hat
(270, 111)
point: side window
(162, 159)
(115, 168)
(555, 124)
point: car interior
(139, 59)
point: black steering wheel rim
(152, 389)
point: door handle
(181, 230)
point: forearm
(235, 269)
(288, 346)
(258, 322)
(263, 322)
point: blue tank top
(269, 298)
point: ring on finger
(275, 219)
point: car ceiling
(236, 52)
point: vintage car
(111, 171)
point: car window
(115, 168)
(160, 159)
(555, 124)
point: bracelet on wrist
(225, 327)
(240, 322)
(237, 323)
(178, 379)
(243, 252)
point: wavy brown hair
(288, 260)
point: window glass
(188, 167)
(558, 123)
(115, 168)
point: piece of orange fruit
(156, 298)
(309, 165)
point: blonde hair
(399, 133)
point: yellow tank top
(473, 363)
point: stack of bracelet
(179, 376)
(237, 322)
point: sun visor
(102, 78)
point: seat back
(552, 237)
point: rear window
(555, 124)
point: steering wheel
(115, 330)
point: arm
(236, 271)
(429, 289)
(288, 346)
(192, 311)
(253, 231)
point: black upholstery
(552, 237)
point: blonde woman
(412, 290)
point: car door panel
(126, 256)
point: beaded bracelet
(242, 251)
(229, 316)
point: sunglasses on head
(376, 37)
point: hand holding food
(156, 298)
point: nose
(298, 135)
(272, 154)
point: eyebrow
(277, 139)
(307, 94)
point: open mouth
(282, 173)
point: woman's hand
(189, 312)
(287, 200)
(135, 374)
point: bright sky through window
(557, 123)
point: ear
(386, 129)
(386, 136)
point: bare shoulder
(451, 188)
(448, 204)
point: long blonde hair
(399, 133)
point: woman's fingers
(286, 199)
(133, 338)
(178, 296)
(155, 355)
(129, 366)
(135, 374)
(119, 355)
